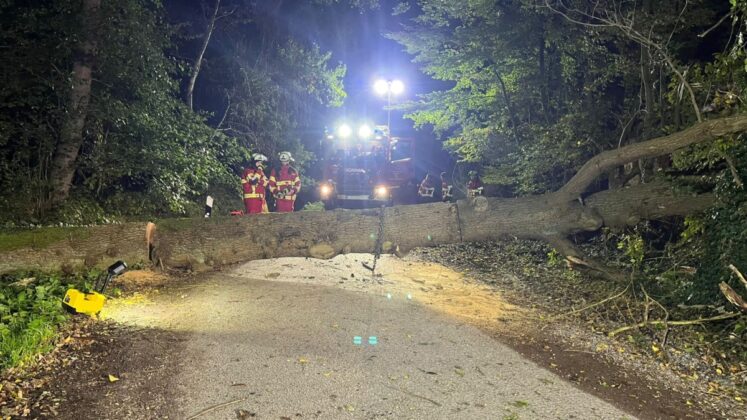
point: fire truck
(369, 169)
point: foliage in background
(314, 206)
(537, 87)
(145, 152)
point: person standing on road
(285, 184)
(254, 182)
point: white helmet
(285, 157)
(259, 157)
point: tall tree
(71, 134)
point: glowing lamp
(397, 87)
(344, 131)
(381, 191)
(381, 87)
(365, 131)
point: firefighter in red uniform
(254, 182)
(426, 189)
(474, 186)
(286, 184)
(446, 189)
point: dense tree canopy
(540, 86)
(140, 148)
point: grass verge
(31, 313)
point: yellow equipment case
(91, 303)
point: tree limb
(732, 295)
(200, 55)
(674, 323)
(575, 258)
(739, 275)
(701, 132)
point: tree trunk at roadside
(200, 244)
(198, 62)
(63, 163)
(203, 243)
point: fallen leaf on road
(303, 360)
(113, 378)
(242, 414)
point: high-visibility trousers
(254, 204)
(284, 205)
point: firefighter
(446, 189)
(254, 182)
(426, 189)
(286, 184)
(474, 186)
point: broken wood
(721, 317)
(730, 294)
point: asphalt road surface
(275, 339)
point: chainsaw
(91, 303)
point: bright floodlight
(365, 131)
(397, 87)
(381, 87)
(344, 131)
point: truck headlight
(325, 190)
(381, 191)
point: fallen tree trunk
(70, 248)
(202, 243)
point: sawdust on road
(275, 339)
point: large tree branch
(599, 164)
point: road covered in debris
(277, 339)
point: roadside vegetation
(31, 312)
(641, 314)
(174, 108)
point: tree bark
(510, 109)
(205, 243)
(71, 134)
(200, 243)
(198, 62)
(544, 80)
